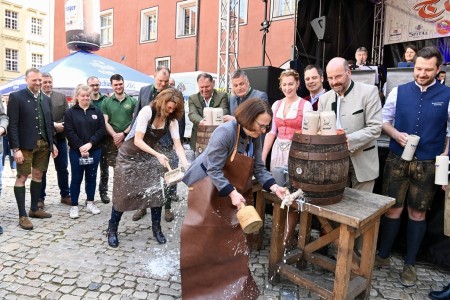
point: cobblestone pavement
(63, 258)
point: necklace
(290, 104)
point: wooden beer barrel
(204, 133)
(319, 164)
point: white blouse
(144, 116)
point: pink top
(285, 127)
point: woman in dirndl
(214, 249)
(139, 165)
(288, 118)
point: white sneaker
(92, 208)
(74, 212)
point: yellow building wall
(22, 39)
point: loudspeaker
(266, 79)
(319, 25)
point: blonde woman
(287, 118)
(84, 126)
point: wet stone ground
(69, 259)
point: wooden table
(357, 214)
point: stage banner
(412, 20)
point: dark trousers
(7, 152)
(61, 165)
(79, 170)
(104, 171)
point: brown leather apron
(214, 249)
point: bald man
(358, 113)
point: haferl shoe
(105, 198)
(139, 214)
(440, 295)
(66, 200)
(408, 276)
(381, 262)
(41, 204)
(39, 214)
(168, 215)
(25, 223)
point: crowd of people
(142, 139)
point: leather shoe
(139, 214)
(1, 230)
(25, 223)
(66, 200)
(39, 214)
(105, 198)
(41, 204)
(168, 215)
(440, 295)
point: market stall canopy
(75, 68)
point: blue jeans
(78, 171)
(61, 165)
(7, 152)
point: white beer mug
(217, 116)
(208, 115)
(410, 148)
(328, 123)
(441, 174)
(310, 122)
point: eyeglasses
(94, 85)
(262, 126)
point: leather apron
(214, 249)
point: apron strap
(233, 154)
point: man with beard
(358, 113)
(420, 107)
(118, 112)
(314, 84)
(97, 100)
